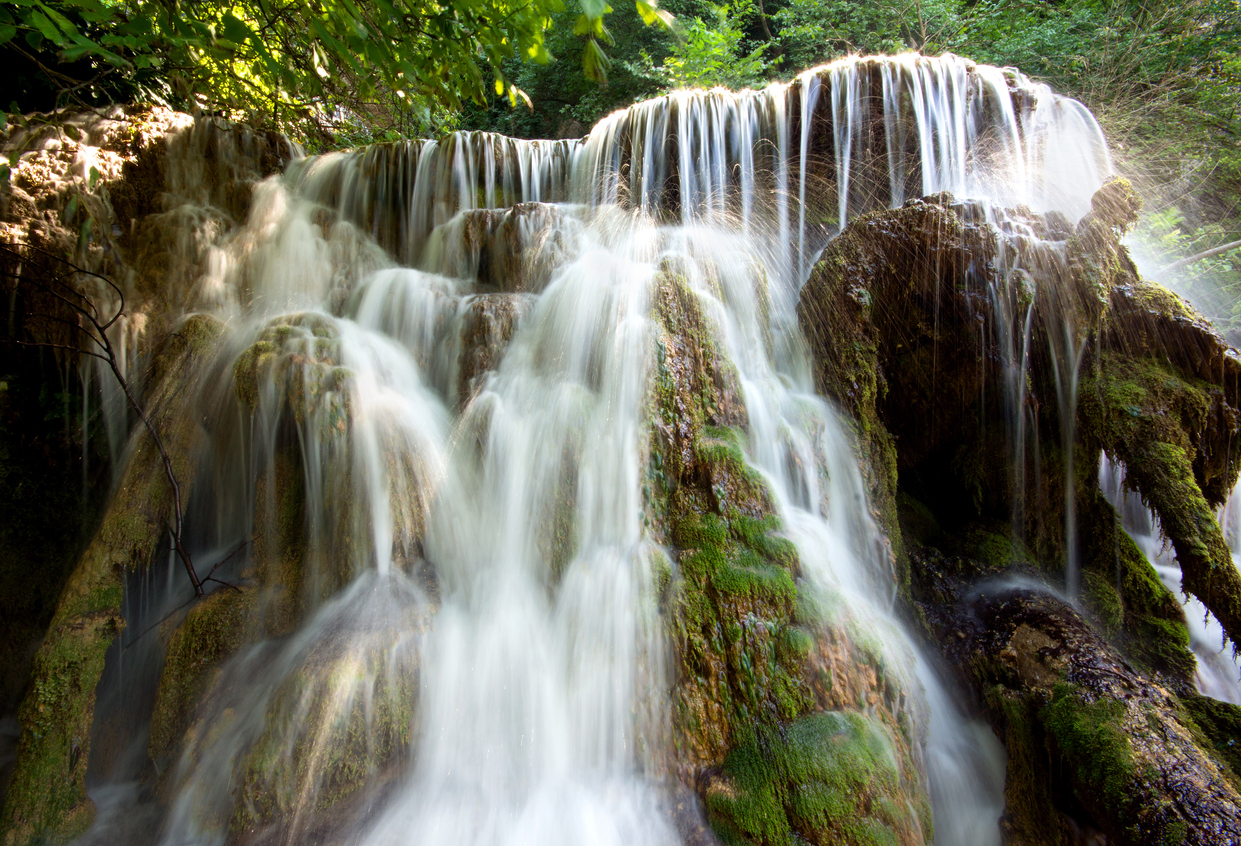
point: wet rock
(48, 794)
(511, 250)
(831, 777)
(784, 724)
(1087, 734)
(295, 362)
(211, 632)
(486, 328)
(344, 720)
(911, 317)
(292, 733)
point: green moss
(1092, 738)
(1104, 600)
(330, 729)
(734, 591)
(699, 531)
(761, 536)
(1219, 724)
(212, 631)
(1028, 804)
(1164, 427)
(1125, 593)
(248, 369)
(996, 550)
(746, 637)
(796, 641)
(750, 574)
(48, 797)
(826, 778)
(47, 794)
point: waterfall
(439, 357)
(1218, 671)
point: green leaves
(652, 15)
(595, 63)
(298, 65)
(707, 56)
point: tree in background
(327, 70)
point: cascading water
(1218, 672)
(449, 376)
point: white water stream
(481, 541)
(1218, 673)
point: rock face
(783, 725)
(1120, 747)
(511, 250)
(131, 197)
(48, 796)
(930, 327)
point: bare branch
(50, 345)
(108, 354)
(1188, 260)
(76, 269)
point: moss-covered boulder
(828, 778)
(343, 721)
(212, 631)
(956, 338)
(295, 364)
(782, 725)
(1175, 434)
(1090, 738)
(289, 732)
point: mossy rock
(752, 649)
(295, 362)
(1088, 732)
(1220, 724)
(48, 794)
(827, 778)
(212, 631)
(1128, 599)
(1175, 436)
(341, 721)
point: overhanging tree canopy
(287, 61)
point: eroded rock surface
(951, 340)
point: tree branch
(1188, 260)
(90, 313)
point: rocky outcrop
(48, 797)
(951, 332)
(510, 250)
(100, 209)
(1088, 736)
(784, 724)
(489, 322)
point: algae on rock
(769, 743)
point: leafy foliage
(710, 55)
(323, 64)
(1213, 282)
